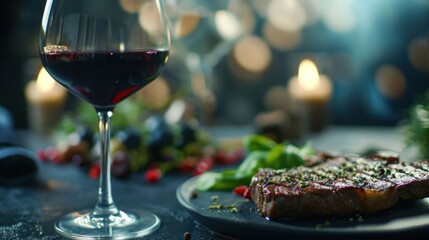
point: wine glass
(103, 53)
(203, 32)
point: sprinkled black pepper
(194, 194)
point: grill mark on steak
(411, 183)
(418, 188)
(423, 165)
(338, 186)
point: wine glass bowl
(203, 33)
(206, 28)
(103, 53)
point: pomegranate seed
(243, 190)
(205, 164)
(247, 194)
(53, 155)
(153, 175)
(239, 155)
(220, 157)
(188, 164)
(227, 158)
(41, 155)
(94, 171)
(240, 190)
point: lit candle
(312, 92)
(45, 98)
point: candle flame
(308, 75)
(44, 81)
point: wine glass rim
(58, 51)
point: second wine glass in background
(203, 33)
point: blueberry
(160, 132)
(155, 122)
(130, 138)
(188, 134)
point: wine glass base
(132, 224)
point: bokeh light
(131, 6)
(155, 95)
(186, 24)
(339, 16)
(418, 53)
(390, 81)
(251, 56)
(288, 15)
(149, 18)
(276, 98)
(281, 39)
(227, 24)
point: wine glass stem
(105, 205)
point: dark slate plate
(407, 219)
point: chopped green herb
(216, 206)
(234, 210)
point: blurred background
(242, 62)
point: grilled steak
(340, 185)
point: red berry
(205, 164)
(188, 164)
(240, 189)
(94, 171)
(53, 155)
(226, 158)
(220, 157)
(247, 194)
(153, 175)
(41, 155)
(243, 190)
(239, 154)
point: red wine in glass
(104, 78)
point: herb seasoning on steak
(341, 185)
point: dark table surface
(29, 211)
